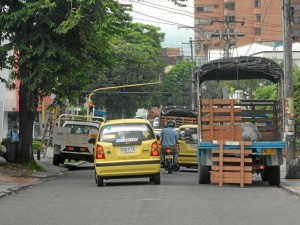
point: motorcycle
(169, 164)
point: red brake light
(168, 150)
(84, 149)
(100, 152)
(154, 149)
(69, 148)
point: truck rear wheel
(265, 174)
(203, 174)
(56, 159)
(274, 175)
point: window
(230, 18)
(257, 17)
(296, 6)
(229, 5)
(257, 31)
(205, 21)
(257, 3)
(297, 19)
(207, 8)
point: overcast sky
(172, 20)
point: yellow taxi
(188, 145)
(126, 148)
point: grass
(24, 169)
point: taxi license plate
(193, 146)
(269, 151)
(94, 136)
(127, 149)
(168, 156)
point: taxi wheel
(100, 181)
(156, 178)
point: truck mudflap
(271, 150)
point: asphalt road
(74, 199)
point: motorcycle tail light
(154, 149)
(100, 152)
(168, 150)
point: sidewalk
(11, 183)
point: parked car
(155, 124)
(126, 148)
(188, 145)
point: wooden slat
(233, 151)
(231, 159)
(233, 178)
(232, 168)
(217, 101)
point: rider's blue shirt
(169, 136)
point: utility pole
(191, 42)
(289, 125)
(228, 36)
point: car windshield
(121, 133)
(81, 129)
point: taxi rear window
(122, 133)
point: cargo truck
(226, 152)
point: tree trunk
(26, 116)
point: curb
(289, 189)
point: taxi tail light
(154, 149)
(100, 152)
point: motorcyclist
(169, 138)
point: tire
(56, 159)
(203, 174)
(156, 179)
(62, 159)
(151, 179)
(99, 181)
(265, 174)
(274, 175)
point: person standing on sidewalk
(13, 134)
(12, 145)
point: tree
(58, 47)
(177, 83)
(137, 61)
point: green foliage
(138, 61)
(296, 82)
(36, 144)
(177, 85)
(59, 47)
(266, 92)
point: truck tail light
(84, 149)
(154, 149)
(69, 148)
(100, 152)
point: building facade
(226, 24)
